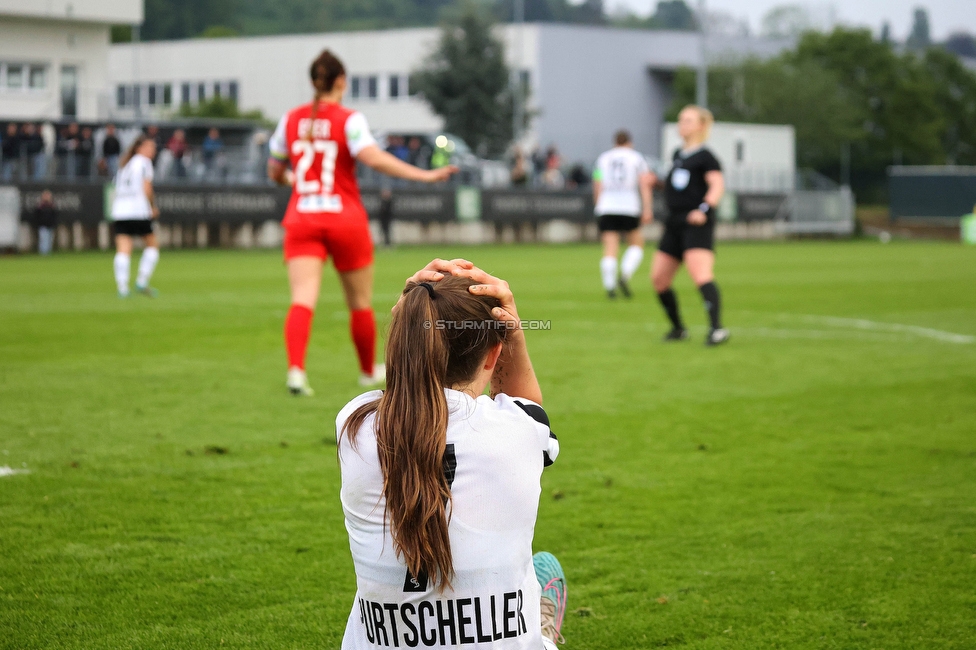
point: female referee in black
(693, 189)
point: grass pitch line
(897, 328)
(6, 470)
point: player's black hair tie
(430, 289)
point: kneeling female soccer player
(441, 483)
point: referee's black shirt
(685, 187)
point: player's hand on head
(489, 285)
(436, 271)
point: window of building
(120, 96)
(37, 78)
(15, 76)
(201, 92)
(740, 151)
(69, 91)
(233, 91)
(151, 94)
(184, 93)
(355, 87)
(217, 90)
(372, 87)
(135, 98)
(394, 87)
(167, 94)
(412, 86)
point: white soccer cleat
(298, 383)
(377, 378)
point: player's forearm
(386, 163)
(597, 189)
(716, 188)
(277, 172)
(514, 374)
(647, 197)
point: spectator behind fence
(66, 151)
(520, 173)
(111, 149)
(578, 176)
(212, 146)
(32, 146)
(177, 147)
(386, 215)
(553, 178)
(46, 221)
(85, 153)
(398, 147)
(418, 155)
(10, 152)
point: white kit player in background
(133, 211)
(622, 194)
(441, 482)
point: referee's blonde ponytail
(439, 337)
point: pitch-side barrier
(249, 216)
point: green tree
(673, 14)
(466, 81)
(220, 108)
(921, 37)
(846, 90)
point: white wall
(53, 44)
(272, 71)
(127, 12)
(754, 157)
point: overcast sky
(945, 16)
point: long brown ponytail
(324, 71)
(140, 140)
(439, 337)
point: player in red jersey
(321, 142)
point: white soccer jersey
(619, 171)
(496, 450)
(131, 201)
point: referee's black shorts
(679, 236)
(134, 227)
(618, 223)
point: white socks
(121, 266)
(147, 264)
(608, 271)
(631, 261)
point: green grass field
(810, 485)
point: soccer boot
(624, 287)
(147, 291)
(551, 578)
(377, 378)
(717, 336)
(297, 383)
(676, 334)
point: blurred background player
(441, 482)
(622, 185)
(46, 220)
(133, 210)
(322, 142)
(693, 189)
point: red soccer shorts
(346, 239)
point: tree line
(178, 19)
(858, 104)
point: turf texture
(812, 484)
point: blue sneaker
(147, 291)
(551, 578)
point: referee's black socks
(670, 303)
(713, 303)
